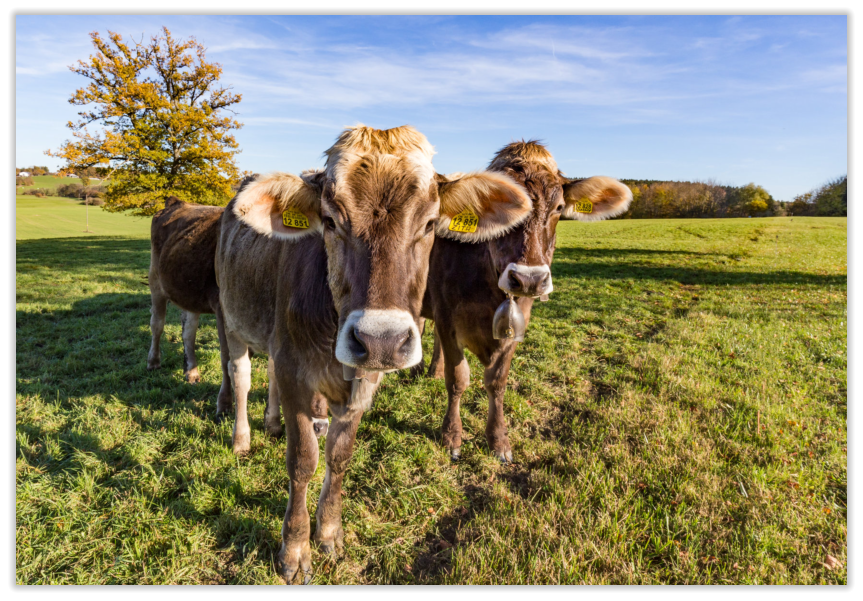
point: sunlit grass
(677, 412)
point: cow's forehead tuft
(384, 146)
(523, 152)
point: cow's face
(523, 256)
(378, 205)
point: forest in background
(651, 199)
(654, 199)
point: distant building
(24, 174)
(71, 175)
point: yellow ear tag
(466, 222)
(584, 206)
(293, 218)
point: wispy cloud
(670, 84)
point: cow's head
(378, 203)
(523, 256)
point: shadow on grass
(570, 262)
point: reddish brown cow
(183, 239)
(468, 281)
(326, 273)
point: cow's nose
(381, 349)
(524, 280)
(379, 340)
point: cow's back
(183, 238)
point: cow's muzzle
(526, 280)
(379, 340)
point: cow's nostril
(514, 281)
(407, 344)
(358, 345)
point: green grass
(52, 182)
(54, 217)
(634, 407)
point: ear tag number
(466, 222)
(293, 218)
(584, 206)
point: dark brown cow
(326, 272)
(468, 281)
(183, 239)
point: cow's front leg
(295, 555)
(340, 446)
(272, 419)
(241, 380)
(457, 377)
(189, 322)
(495, 376)
(436, 365)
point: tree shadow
(571, 263)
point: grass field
(51, 182)
(54, 217)
(677, 413)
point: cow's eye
(329, 223)
(430, 226)
(559, 208)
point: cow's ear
(282, 205)
(480, 206)
(595, 198)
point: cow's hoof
(275, 431)
(321, 427)
(417, 371)
(242, 443)
(151, 365)
(295, 561)
(505, 457)
(193, 377)
(331, 546)
(455, 454)
(220, 417)
(274, 427)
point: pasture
(677, 413)
(52, 182)
(56, 217)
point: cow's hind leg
(189, 322)
(495, 376)
(272, 418)
(157, 325)
(295, 555)
(340, 446)
(241, 380)
(225, 402)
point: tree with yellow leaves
(165, 128)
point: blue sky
(733, 99)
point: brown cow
(183, 239)
(326, 272)
(468, 281)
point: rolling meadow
(677, 413)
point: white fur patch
(530, 271)
(379, 323)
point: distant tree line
(653, 199)
(656, 199)
(35, 170)
(831, 200)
